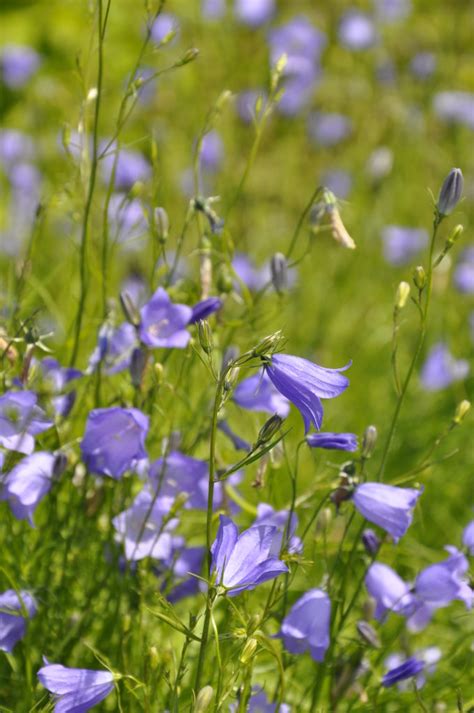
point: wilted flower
(357, 31)
(441, 369)
(306, 626)
(266, 515)
(17, 64)
(244, 561)
(410, 668)
(20, 420)
(468, 537)
(257, 393)
(254, 12)
(400, 244)
(390, 592)
(305, 383)
(75, 690)
(451, 192)
(163, 324)
(389, 507)
(114, 439)
(13, 626)
(333, 441)
(27, 484)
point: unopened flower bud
(451, 192)
(154, 657)
(369, 440)
(137, 366)
(59, 465)
(368, 633)
(403, 292)
(222, 100)
(461, 411)
(248, 651)
(279, 272)
(162, 224)
(231, 378)
(190, 55)
(370, 541)
(419, 277)
(455, 235)
(205, 336)
(269, 429)
(268, 344)
(203, 699)
(129, 309)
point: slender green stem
(300, 222)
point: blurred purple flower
(213, 9)
(212, 152)
(258, 703)
(428, 656)
(113, 440)
(15, 147)
(441, 369)
(253, 277)
(27, 484)
(333, 441)
(57, 378)
(328, 129)
(392, 10)
(204, 308)
(257, 393)
(468, 538)
(400, 244)
(390, 592)
(164, 25)
(305, 383)
(338, 181)
(143, 529)
(455, 107)
(188, 562)
(128, 220)
(17, 64)
(464, 272)
(13, 626)
(266, 515)
(20, 420)
(306, 626)
(242, 562)
(410, 668)
(423, 65)
(440, 584)
(387, 506)
(246, 102)
(357, 30)
(75, 690)
(239, 443)
(163, 323)
(114, 348)
(254, 12)
(131, 167)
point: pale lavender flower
(423, 65)
(17, 64)
(401, 244)
(257, 393)
(468, 538)
(20, 420)
(306, 626)
(57, 378)
(27, 483)
(127, 219)
(392, 10)
(305, 384)
(387, 506)
(131, 167)
(254, 12)
(333, 441)
(338, 181)
(15, 147)
(464, 272)
(212, 152)
(213, 9)
(258, 703)
(455, 107)
(253, 277)
(114, 348)
(440, 584)
(357, 31)
(75, 690)
(186, 562)
(441, 369)
(328, 129)
(13, 626)
(390, 592)
(408, 669)
(165, 26)
(242, 562)
(163, 323)
(266, 515)
(114, 439)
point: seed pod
(205, 336)
(248, 651)
(129, 309)
(461, 411)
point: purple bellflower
(13, 626)
(305, 384)
(464, 272)
(163, 324)
(246, 104)
(388, 11)
(333, 441)
(212, 152)
(131, 167)
(455, 107)
(338, 181)
(441, 369)
(247, 272)
(239, 443)
(257, 393)
(57, 378)
(242, 562)
(15, 146)
(258, 703)
(468, 538)
(142, 530)
(27, 484)
(75, 690)
(400, 244)
(266, 515)
(390, 592)
(440, 584)
(165, 26)
(114, 439)
(306, 626)
(186, 563)
(387, 506)
(213, 9)
(20, 420)
(254, 12)
(428, 656)
(17, 64)
(114, 348)
(178, 473)
(204, 308)
(357, 31)
(408, 669)
(128, 220)
(423, 65)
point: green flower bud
(269, 429)
(419, 277)
(461, 410)
(403, 292)
(205, 336)
(450, 193)
(203, 699)
(368, 441)
(248, 651)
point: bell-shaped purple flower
(305, 383)
(13, 626)
(20, 420)
(408, 669)
(306, 626)
(204, 308)
(131, 167)
(186, 563)
(468, 538)
(27, 484)
(464, 272)
(390, 592)
(259, 703)
(257, 393)
(428, 656)
(242, 562)
(333, 441)
(266, 515)
(441, 369)
(75, 690)
(114, 439)
(387, 506)
(163, 324)
(328, 128)
(440, 584)
(455, 107)
(114, 348)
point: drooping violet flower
(204, 308)
(306, 626)
(400, 244)
(17, 64)
(305, 383)
(114, 439)
(20, 420)
(428, 656)
(257, 393)
(328, 129)
(142, 530)
(75, 690)
(57, 378)
(455, 107)
(440, 584)
(27, 484)
(242, 562)
(387, 506)
(464, 272)
(114, 348)
(468, 538)
(254, 12)
(333, 441)
(266, 515)
(163, 323)
(409, 669)
(390, 592)
(357, 31)
(441, 369)
(239, 443)
(13, 626)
